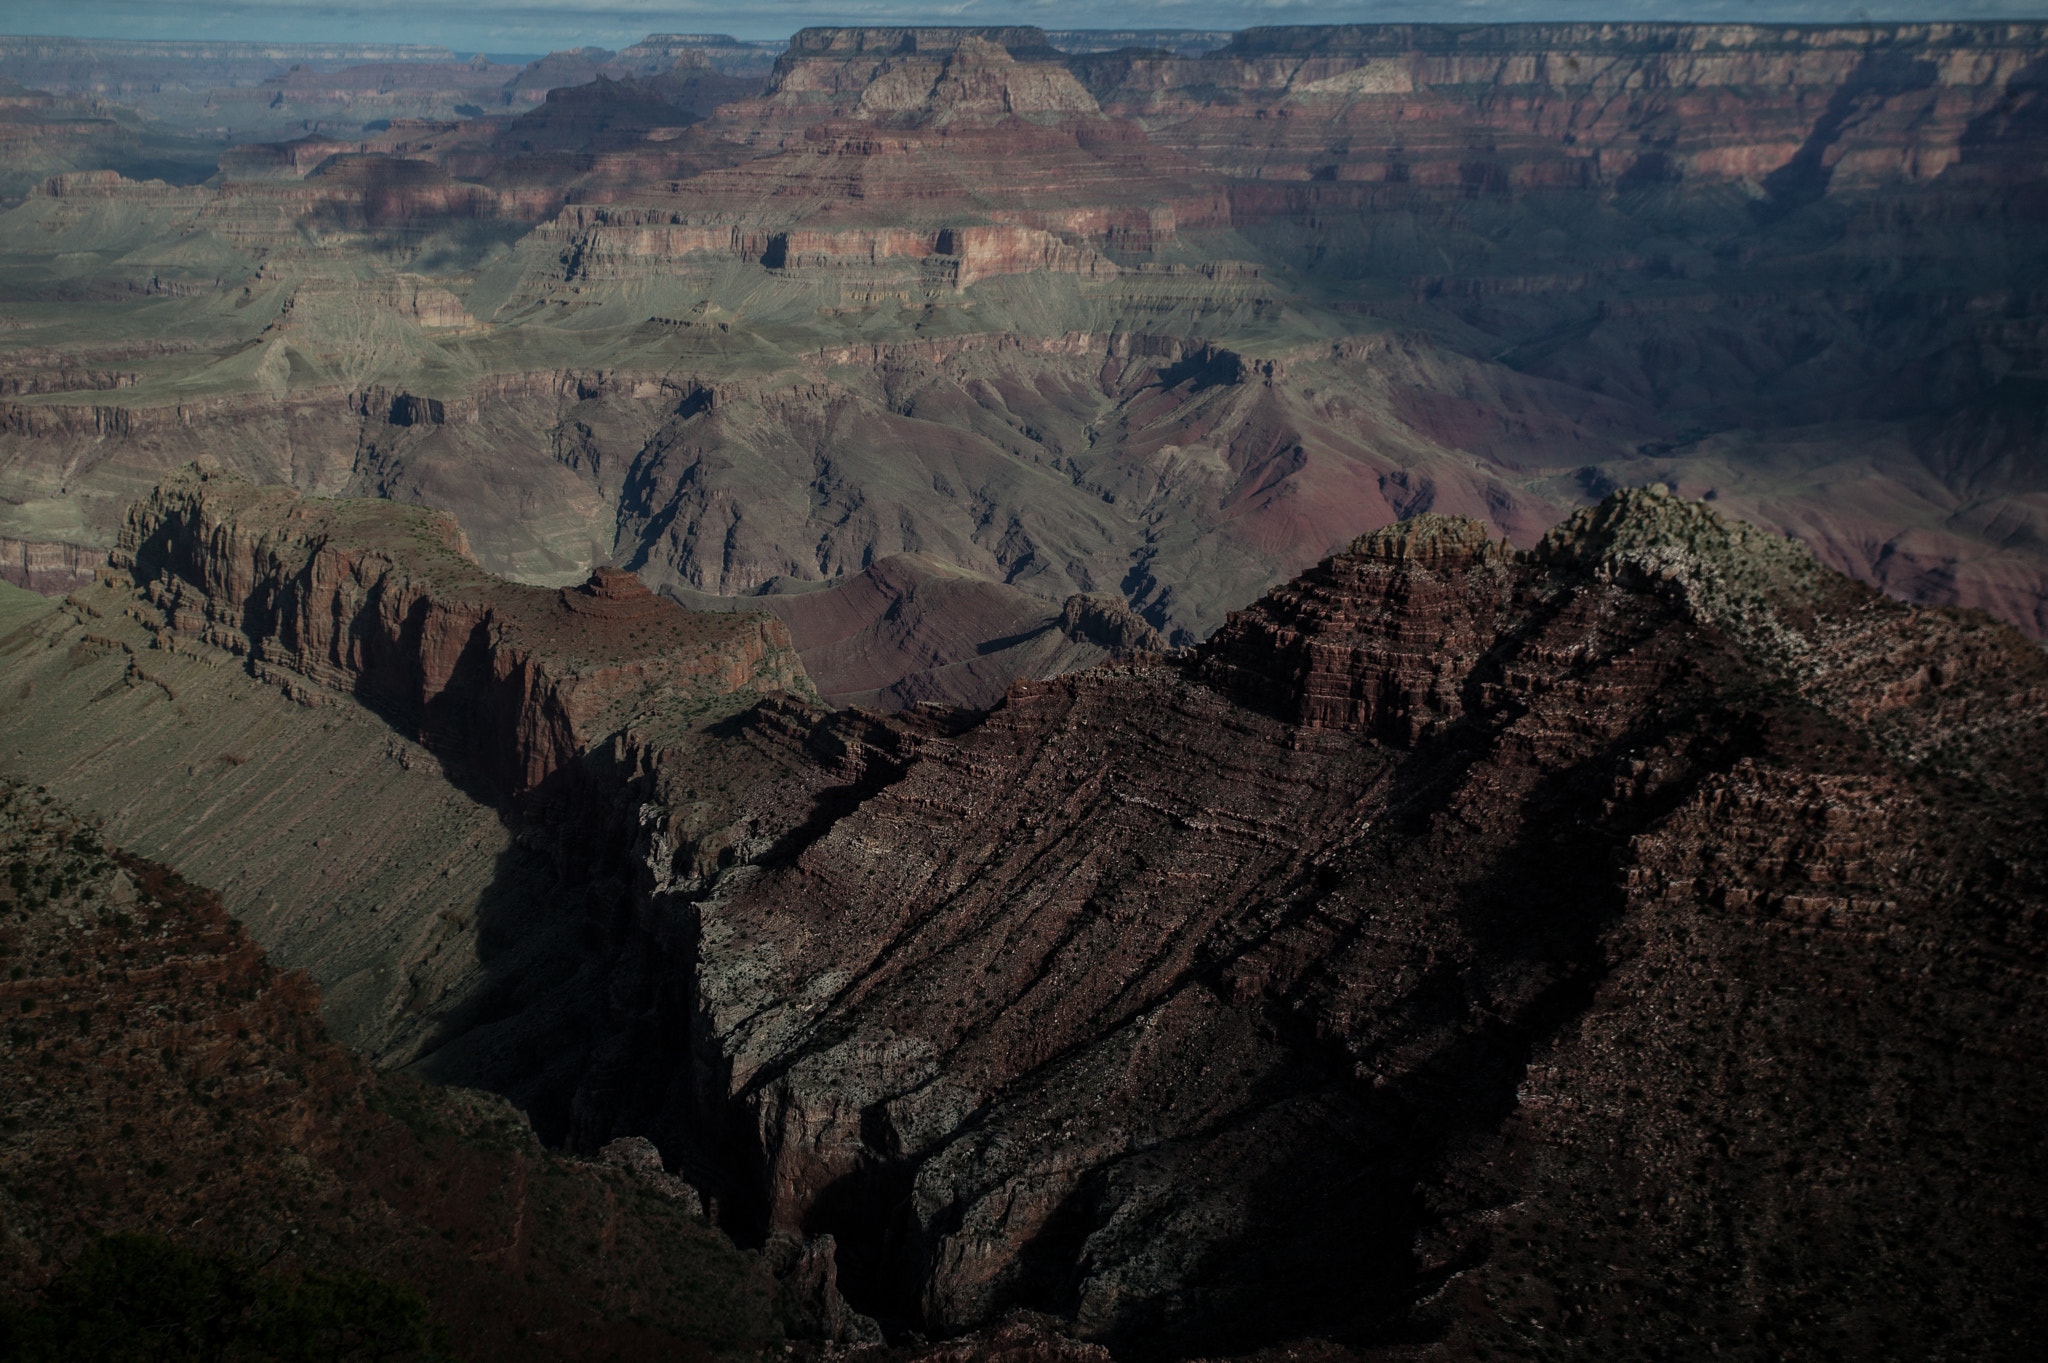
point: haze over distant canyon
(944, 314)
(1367, 690)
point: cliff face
(620, 245)
(942, 138)
(1297, 987)
(385, 604)
(1214, 1003)
(1792, 111)
(51, 568)
(427, 777)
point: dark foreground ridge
(162, 1080)
(1631, 944)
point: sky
(531, 26)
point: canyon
(1086, 321)
(162, 1077)
(977, 693)
(1293, 987)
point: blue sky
(543, 25)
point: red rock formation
(1500, 271)
(384, 603)
(1217, 1004)
(615, 595)
(51, 567)
(1107, 620)
(1574, 105)
(1451, 943)
(910, 128)
(1380, 639)
(908, 629)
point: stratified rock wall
(384, 603)
(1483, 270)
(1790, 110)
(51, 568)
(1382, 639)
(1445, 950)
(1204, 1003)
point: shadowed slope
(1218, 1004)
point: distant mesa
(1022, 41)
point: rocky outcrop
(638, 1157)
(1267, 993)
(908, 629)
(51, 568)
(1214, 1003)
(383, 603)
(1107, 621)
(808, 1299)
(1381, 639)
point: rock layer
(1296, 987)
(1213, 1003)
(385, 604)
(1173, 327)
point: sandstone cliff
(384, 603)
(1568, 105)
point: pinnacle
(613, 594)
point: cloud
(542, 25)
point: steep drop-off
(327, 712)
(159, 1076)
(1616, 940)
(1301, 988)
